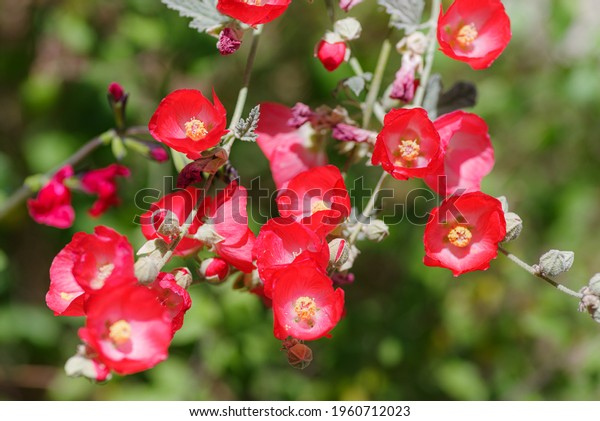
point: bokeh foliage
(410, 332)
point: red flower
(129, 329)
(180, 203)
(52, 206)
(287, 148)
(474, 31)
(468, 157)
(408, 145)
(103, 183)
(282, 241)
(86, 265)
(187, 122)
(174, 297)
(317, 198)
(305, 305)
(226, 227)
(331, 53)
(253, 12)
(463, 233)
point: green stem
(535, 273)
(382, 60)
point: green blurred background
(411, 332)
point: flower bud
(348, 29)
(229, 41)
(340, 279)
(81, 365)
(555, 262)
(377, 230)
(147, 268)
(415, 43)
(300, 356)
(116, 91)
(405, 82)
(346, 5)
(214, 270)
(183, 277)
(353, 253)
(514, 225)
(331, 51)
(158, 154)
(338, 252)
(170, 226)
(207, 234)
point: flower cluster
(300, 259)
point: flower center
(318, 206)
(195, 129)
(305, 309)
(408, 150)
(119, 332)
(104, 272)
(253, 2)
(460, 236)
(466, 35)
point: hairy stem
(535, 273)
(369, 208)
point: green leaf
(405, 14)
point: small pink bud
(229, 42)
(405, 84)
(348, 133)
(346, 5)
(214, 270)
(159, 154)
(116, 91)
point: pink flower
(286, 148)
(129, 329)
(282, 241)
(305, 305)
(408, 145)
(474, 31)
(469, 155)
(253, 12)
(188, 122)
(103, 183)
(331, 53)
(52, 206)
(317, 198)
(180, 203)
(463, 233)
(174, 297)
(88, 264)
(347, 133)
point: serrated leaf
(405, 14)
(460, 95)
(555, 262)
(204, 13)
(244, 129)
(432, 95)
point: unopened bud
(300, 356)
(340, 279)
(170, 226)
(338, 252)
(353, 253)
(377, 230)
(415, 43)
(183, 277)
(348, 29)
(116, 92)
(147, 268)
(214, 270)
(555, 262)
(514, 226)
(229, 41)
(158, 154)
(207, 234)
(80, 365)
